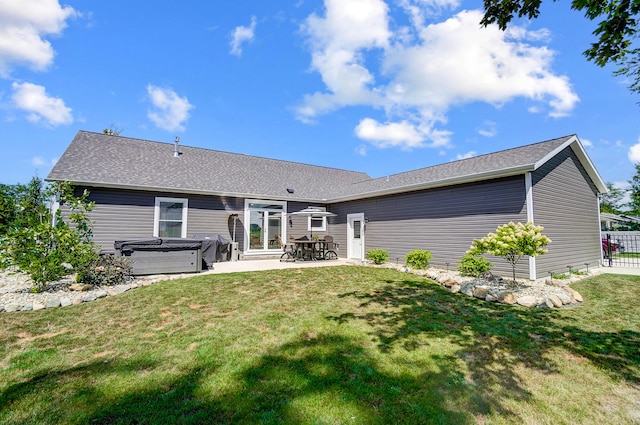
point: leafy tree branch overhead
(615, 33)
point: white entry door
(355, 236)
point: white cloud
(337, 40)
(39, 161)
(404, 135)
(23, 28)
(34, 99)
(459, 62)
(420, 10)
(241, 35)
(586, 143)
(389, 134)
(417, 75)
(634, 153)
(488, 129)
(469, 154)
(170, 110)
(361, 150)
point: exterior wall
(442, 220)
(565, 203)
(298, 226)
(126, 214)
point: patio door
(355, 236)
(264, 225)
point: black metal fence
(621, 249)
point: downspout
(530, 217)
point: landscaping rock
(65, 302)
(89, 298)
(573, 293)
(527, 301)
(467, 289)
(455, 288)
(506, 297)
(53, 303)
(448, 283)
(10, 308)
(491, 298)
(38, 306)
(101, 293)
(554, 300)
(564, 297)
(481, 292)
(80, 287)
(546, 304)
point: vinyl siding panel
(444, 220)
(298, 226)
(565, 203)
(126, 214)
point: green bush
(418, 258)
(42, 244)
(474, 265)
(512, 241)
(106, 270)
(378, 256)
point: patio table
(311, 249)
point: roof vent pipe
(176, 152)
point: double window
(170, 218)
(265, 224)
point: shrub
(106, 270)
(378, 256)
(42, 244)
(512, 241)
(474, 265)
(418, 258)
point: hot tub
(159, 256)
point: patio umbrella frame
(312, 212)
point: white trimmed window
(317, 224)
(170, 218)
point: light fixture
(290, 190)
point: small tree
(612, 202)
(42, 244)
(512, 242)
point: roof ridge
(473, 157)
(228, 153)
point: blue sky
(367, 85)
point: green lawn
(338, 345)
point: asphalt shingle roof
(104, 160)
(114, 161)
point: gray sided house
(146, 189)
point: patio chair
(290, 253)
(330, 248)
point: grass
(626, 255)
(340, 345)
